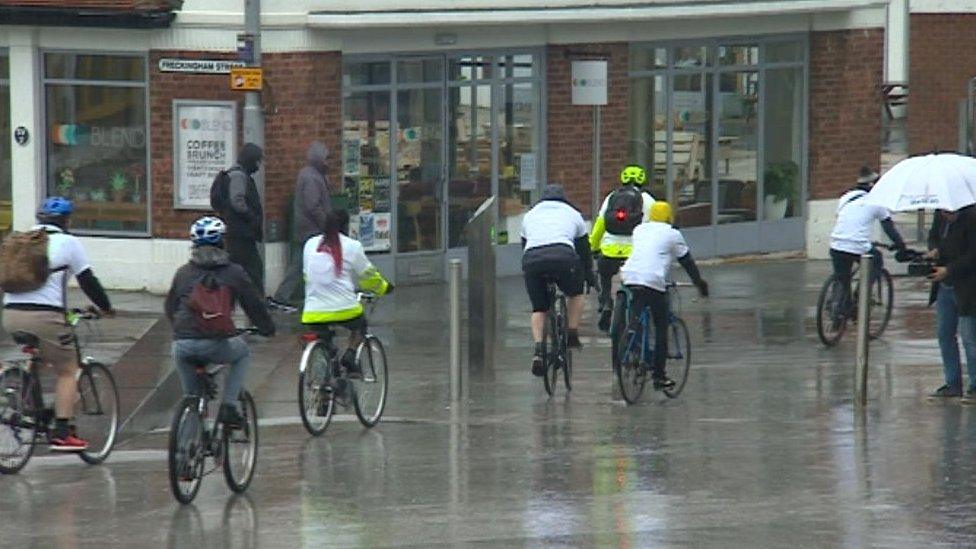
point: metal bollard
(863, 323)
(455, 289)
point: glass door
(470, 163)
(419, 170)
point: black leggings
(658, 302)
(607, 267)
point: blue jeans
(190, 353)
(948, 325)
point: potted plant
(780, 184)
(118, 184)
(66, 181)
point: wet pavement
(762, 449)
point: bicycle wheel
(565, 353)
(98, 407)
(370, 390)
(631, 375)
(679, 356)
(186, 451)
(831, 319)
(18, 420)
(617, 327)
(316, 402)
(882, 300)
(550, 352)
(241, 446)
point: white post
(863, 322)
(455, 290)
(26, 100)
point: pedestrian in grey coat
(312, 203)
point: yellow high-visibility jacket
(615, 245)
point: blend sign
(205, 138)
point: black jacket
(957, 251)
(245, 215)
(210, 259)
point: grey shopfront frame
(430, 265)
(759, 235)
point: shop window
(648, 144)
(738, 55)
(97, 142)
(516, 66)
(366, 149)
(6, 211)
(691, 57)
(777, 52)
(519, 160)
(646, 59)
(469, 68)
(419, 163)
(420, 70)
(691, 114)
(74, 66)
(469, 165)
(738, 147)
(782, 177)
(371, 73)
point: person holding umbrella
(944, 182)
(952, 245)
(851, 237)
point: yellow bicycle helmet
(633, 175)
(661, 212)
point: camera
(920, 268)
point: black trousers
(658, 303)
(244, 252)
(843, 265)
(607, 267)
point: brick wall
(570, 153)
(942, 51)
(846, 70)
(303, 103)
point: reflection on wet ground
(763, 448)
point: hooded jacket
(205, 260)
(312, 200)
(956, 242)
(245, 218)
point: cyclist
(851, 236)
(42, 313)
(656, 246)
(335, 267)
(204, 290)
(612, 230)
(555, 248)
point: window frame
(44, 81)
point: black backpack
(220, 191)
(625, 211)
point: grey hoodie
(312, 200)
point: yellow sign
(246, 78)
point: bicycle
(556, 354)
(324, 382)
(24, 418)
(835, 308)
(193, 437)
(631, 351)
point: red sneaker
(69, 443)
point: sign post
(590, 88)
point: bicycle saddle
(26, 338)
(210, 369)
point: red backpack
(212, 304)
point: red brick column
(846, 70)
(570, 134)
(942, 49)
(303, 102)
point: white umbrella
(935, 181)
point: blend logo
(207, 125)
(95, 136)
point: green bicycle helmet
(633, 174)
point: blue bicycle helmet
(207, 230)
(56, 206)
